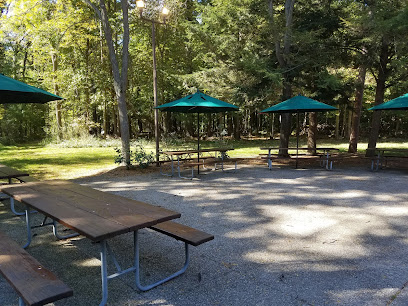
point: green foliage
(138, 157)
(83, 141)
(224, 47)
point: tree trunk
(397, 127)
(25, 61)
(349, 119)
(120, 76)
(115, 120)
(383, 72)
(272, 127)
(312, 133)
(358, 102)
(283, 56)
(286, 122)
(237, 132)
(209, 125)
(87, 85)
(230, 125)
(168, 128)
(54, 58)
(337, 133)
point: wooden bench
(184, 162)
(381, 162)
(27, 179)
(320, 157)
(190, 236)
(206, 161)
(34, 284)
(234, 160)
(182, 232)
(273, 157)
(190, 164)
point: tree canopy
(249, 53)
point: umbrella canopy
(13, 91)
(299, 104)
(198, 103)
(394, 104)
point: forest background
(351, 54)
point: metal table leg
(55, 231)
(106, 250)
(13, 209)
(137, 266)
(104, 273)
(28, 224)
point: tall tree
(120, 74)
(284, 60)
(358, 102)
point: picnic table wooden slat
(96, 218)
(8, 172)
(17, 265)
(126, 204)
(87, 224)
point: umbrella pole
(198, 142)
(297, 139)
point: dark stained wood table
(326, 154)
(180, 153)
(384, 154)
(10, 173)
(95, 214)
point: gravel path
(282, 237)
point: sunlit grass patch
(66, 161)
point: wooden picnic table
(326, 154)
(384, 154)
(188, 152)
(95, 214)
(179, 153)
(10, 173)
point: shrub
(139, 157)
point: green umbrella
(13, 91)
(298, 104)
(394, 104)
(198, 103)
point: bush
(139, 157)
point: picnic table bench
(34, 284)
(100, 216)
(11, 173)
(26, 179)
(381, 156)
(325, 156)
(184, 158)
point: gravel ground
(282, 237)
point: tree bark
(286, 121)
(383, 72)
(283, 59)
(120, 76)
(358, 102)
(54, 58)
(312, 133)
(337, 133)
(237, 131)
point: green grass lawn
(50, 162)
(45, 162)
